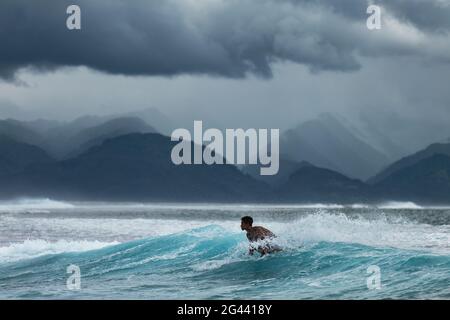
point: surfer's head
(246, 223)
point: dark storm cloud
(430, 15)
(433, 16)
(216, 37)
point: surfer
(255, 233)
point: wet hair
(247, 220)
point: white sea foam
(33, 205)
(23, 236)
(36, 248)
(378, 232)
(399, 205)
(360, 206)
(44, 205)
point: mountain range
(126, 159)
(66, 139)
(133, 167)
(437, 148)
(16, 156)
(327, 142)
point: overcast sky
(263, 63)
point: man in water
(255, 234)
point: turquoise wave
(212, 263)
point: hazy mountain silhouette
(153, 117)
(68, 137)
(93, 136)
(65, 139)
(425, 181)
(135, 167)
(16, 156)
(314, 184)
(123, 159)
(326, 142)
(370, 132)
(20, 132)
(437, 148)
(52, 136)
(287, 167)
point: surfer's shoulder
(264, 231)
(259, 233)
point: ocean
(186, 251)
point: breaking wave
(325, 256)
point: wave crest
(30, 249)
(33, 204)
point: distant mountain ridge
(20, 132)
(135, 167)
(95, 135)
(286, 169)
(62, 140)
(125, 159)
(426, 181)
(315, 185)
(326, 142)
(17, 156)
(437, 148)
